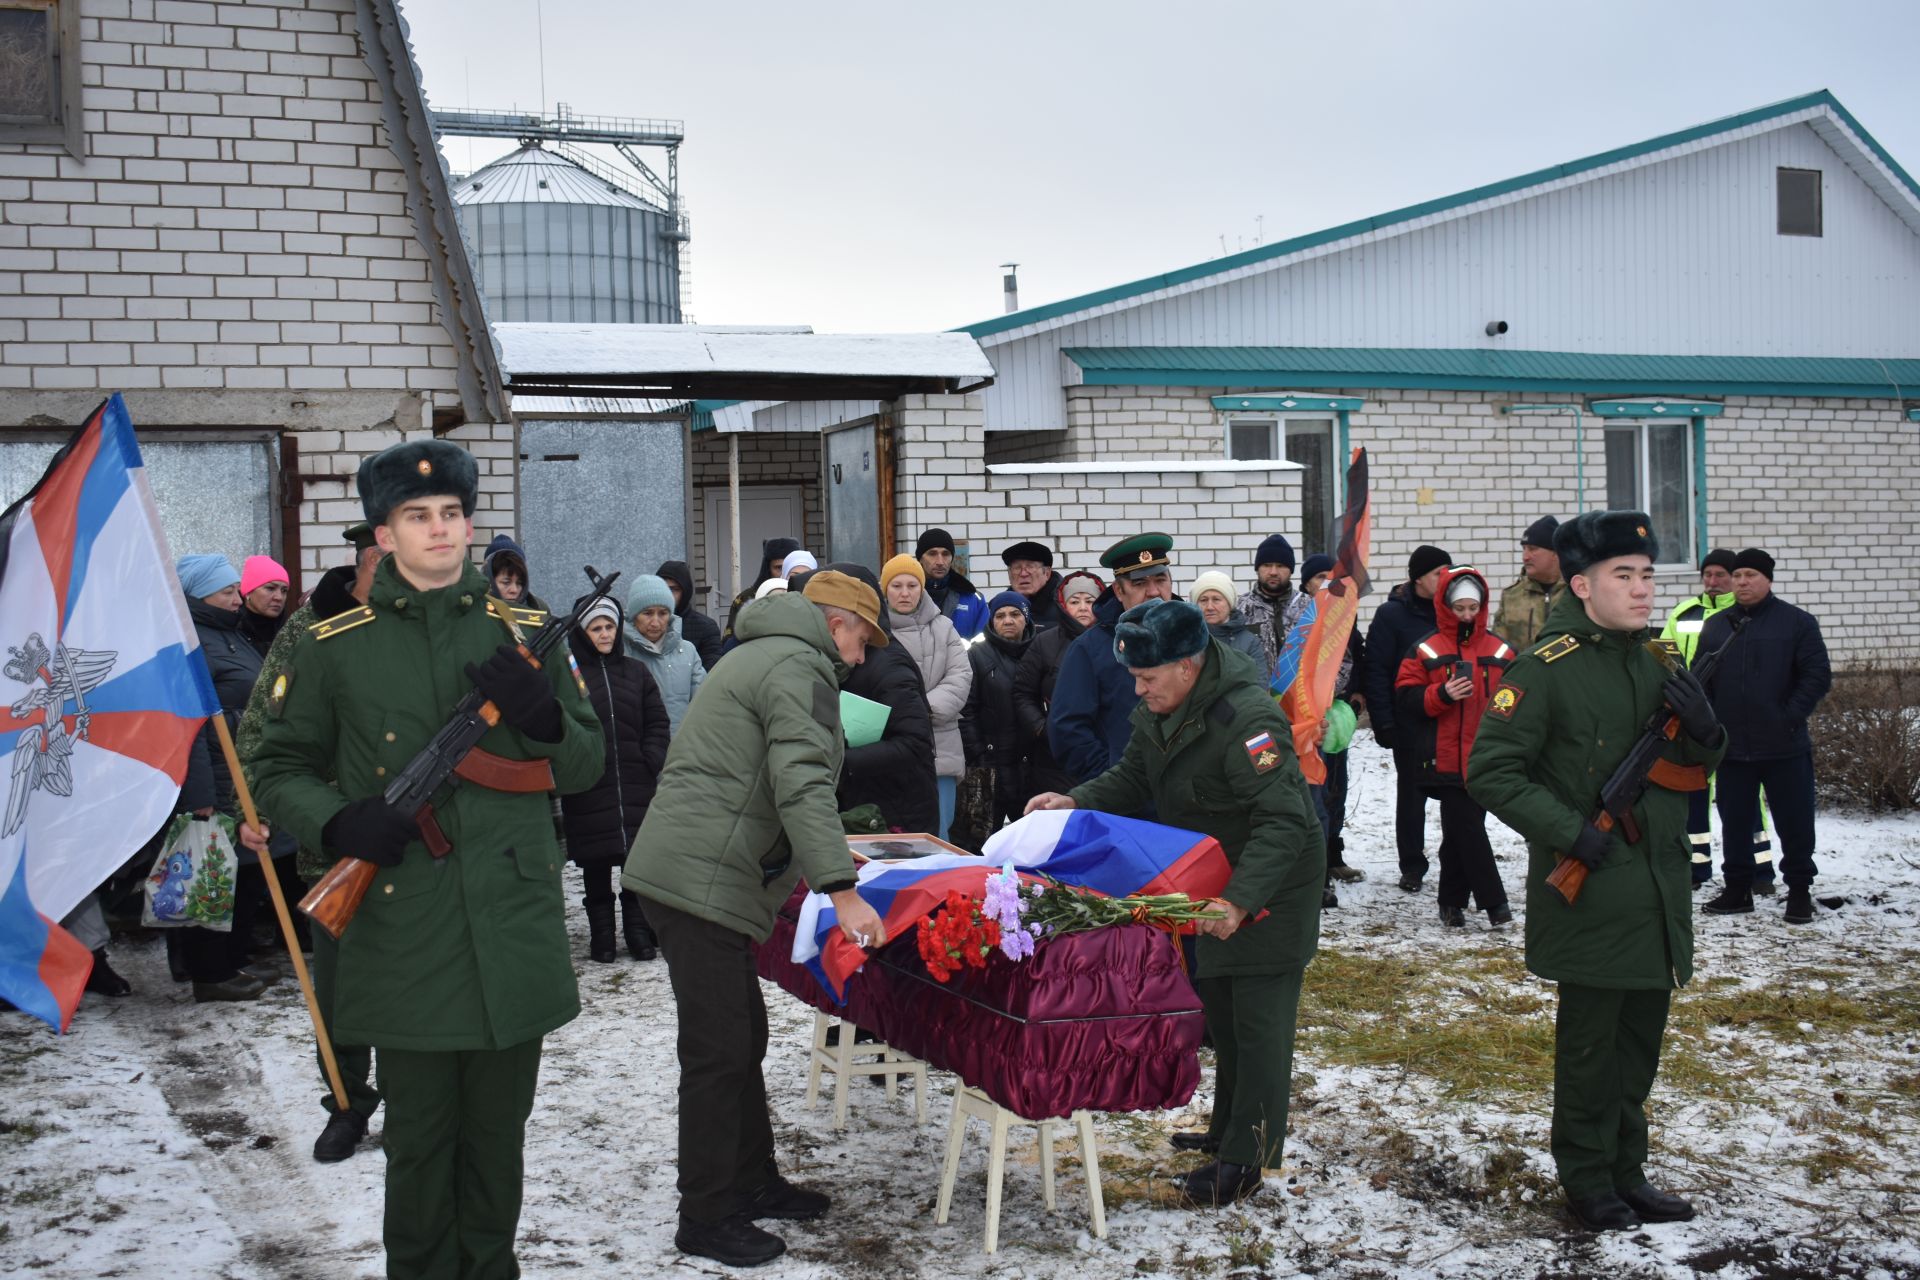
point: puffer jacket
(1436, 732)
(941, 655)
(746, 804)
(696, 628)
(990, 728)
(963, 606)
(896, 773)
(1234, 633)
(601, 822)
(674, 665)
(1033, 695)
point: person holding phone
(1442, 689)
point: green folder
(862, 719)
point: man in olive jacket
(456, 966)
(1567, 713)
(745, 807)
(1211, 753)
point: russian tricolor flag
(103, 692)
(1112, 856)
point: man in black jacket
(696, 628)
(989, 727)
(1403, 618)
(1764, 689)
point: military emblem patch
(1505, 699)
(578, 682)
(1262, 752)
(277, 697)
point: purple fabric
(1105, 1021)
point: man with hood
(1030, 572)
(505, 566)
(1567, 713)
(988, 726)
(773, 556)
(696, 628)
(1402, 618)
(1265, 607)
(1090, 720)
(950, 589)
(1034, 682)
(745, 808)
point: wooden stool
(840, 1059)
(971, 1102)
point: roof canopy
(704, 361)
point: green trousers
(1251, 1017)
(1606, 1051)
(456, 1125)
(354, 1060)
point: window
(40, 73)
(1650, 469)
(1307, 441)
(1799, 191)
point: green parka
(463, 952)
(1222, 764)
(1568, 715)
(746, 804)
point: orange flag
(1317, 643)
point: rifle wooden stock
(1569, 875)
(332, 902)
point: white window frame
(1278, 422)
(65, 127)
(1643, 477)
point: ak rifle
(451, 753)
(1643, 765)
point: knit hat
(899, 565)
(504, 552)
(416, 469)
(647, 590)
(602, 607)
(1425, 559)
(1158, 632)
(202, 575)
(1315, 565)
(1594, 536)
(933, 538)
(772, 586)
(798, 559)
(1465, 582)
(1718, 556)
(1008, 600)
(1214, 580)
(258, 571)
(1274, 550)
(1540, 533)
(1080, 582)
(1755, 558)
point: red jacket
(1440, 733)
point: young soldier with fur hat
(1209, 751)
(1567, 713)
(456, 966)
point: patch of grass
(25, 1130)
(1834, 1157)
(1247, 1246)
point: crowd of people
(699, 762)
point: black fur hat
(1587, 539)
(416, 469)
(1158, 632)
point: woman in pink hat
(263, 600)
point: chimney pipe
(1010, 285)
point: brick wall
(766, 458)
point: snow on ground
(166, 1138)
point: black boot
(177, 956)
(341, 1137)
(104, 981)
(1500, 916)
(778, 1198)
(1453, 917)
(1218, 1183)
(1650, 1204)
(1799, 905)
(633, 921)
(1337, 861)
(1328, 898)
(1606, 1212)
(1194, 1142)
(733, 1242)
(1734, 900)
(600, 930)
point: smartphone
(1463, 671)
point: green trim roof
(1440, 369)
(1283, 248)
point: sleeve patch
(1263, 752)
(1506, 699)
(277, 696)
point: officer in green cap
(1088, 722)
(456, 966)
(1559, 723)
(1211, 752)
(340, 588)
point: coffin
(1105, 1020)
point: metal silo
(556, 240)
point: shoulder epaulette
(327, 628)
(1556, 648)
(525, 617)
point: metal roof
(1416, 368)
(1820, 111)
(534, 175)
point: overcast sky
(866, 167)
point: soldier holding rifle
(456, 966)
(1568, 712)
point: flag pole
(280, 909)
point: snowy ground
(165, 1138)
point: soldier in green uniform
(1524, 604)
(341, 588)
(1561, 721)
(1212, 753)
(456, 966)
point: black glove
(371, 829)
(521, 693)
(1694, 708)
(1383, 734)
(1590, 846)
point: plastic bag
(192, 878)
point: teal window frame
(1660, 408)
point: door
(607, 494)
(853, 496)
(766, 511)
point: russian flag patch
(1261, 751)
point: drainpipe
(1579, 443)
(733, 504)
